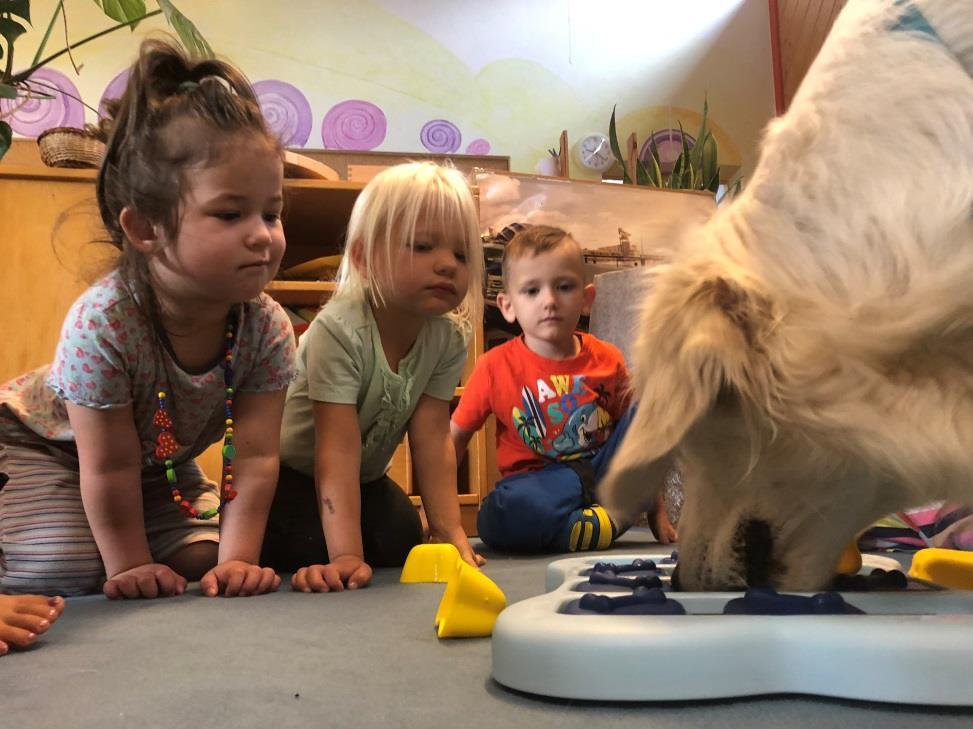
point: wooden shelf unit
(301, 293)
(50, 228)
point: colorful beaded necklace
(166, 445)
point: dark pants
(535, 511)
(390, 524)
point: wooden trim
(468, 499)
(301, 293)
(774, 10)
(23, 172)
(563, 163)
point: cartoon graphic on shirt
(580, 430)
(564, 420)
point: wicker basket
(69, 147)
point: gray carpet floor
(366, 658)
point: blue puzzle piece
(644, 601)
(610, 578)
(767, 601)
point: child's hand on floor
(24, 617)
(346, 570)
(236, 578)
(458, 539)
(145, 580)
(471, 557)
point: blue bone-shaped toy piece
(610, 578)
(644, 601)
(638, 565)
(671, 559)
(767, 601)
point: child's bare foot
(24, 617)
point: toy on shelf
(882, 640)
(471, 602)
(947, 567)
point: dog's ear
(730, 343)
(697, 337)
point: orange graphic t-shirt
(547, 410)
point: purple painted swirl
(114, 90)
(353, 124)
(287, 111)
(478, 146)
(32, 116)
(440, 136)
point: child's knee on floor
(544, 511)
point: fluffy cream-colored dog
(807, 357)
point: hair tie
(187, 86)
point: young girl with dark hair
(175, 349)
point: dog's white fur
(807, 357)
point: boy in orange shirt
(561, 400)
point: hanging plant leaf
(17, 8)
(11, 30)
(187, 32)
(47, 33)
(123, 11)
(8, 92)
(6, 137)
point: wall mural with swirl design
(440, 76)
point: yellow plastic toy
(850, 561)
(470, 605)
(472, 600)
(946, 567)
(430, 563)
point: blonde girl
(175, 349)
(380, 360)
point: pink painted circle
(354, 124)
(31, 116)
(478, 146)
(286, 109)
(114, 90)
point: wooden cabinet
(49, 236)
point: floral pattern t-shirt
(108, 357)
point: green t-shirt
(340, 360)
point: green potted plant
(15, 18)
(696, 168)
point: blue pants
(551, 510)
